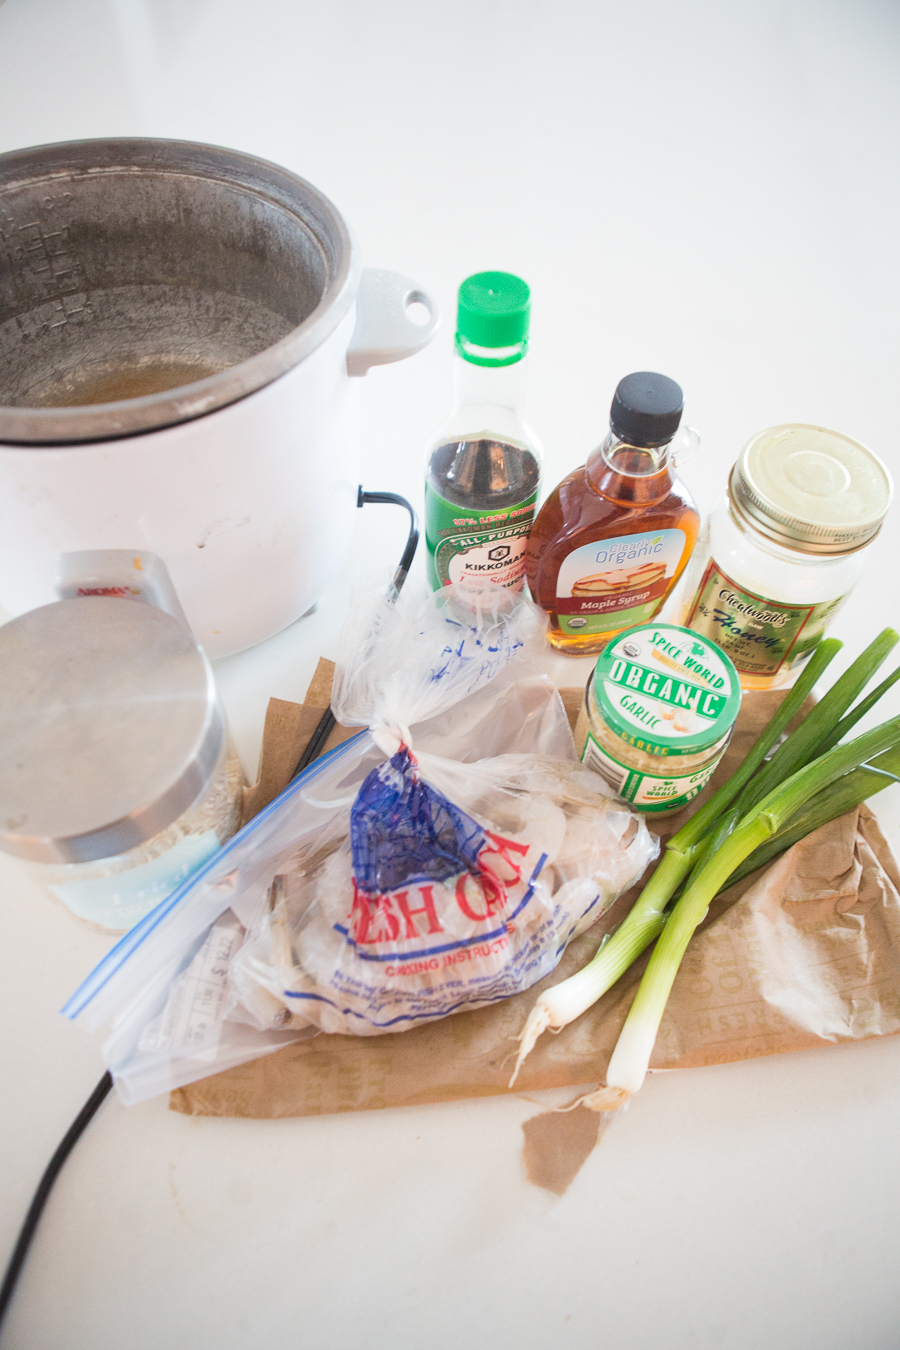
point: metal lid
(811, 489)
(109, 728)
(666, 691)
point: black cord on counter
(98, 1096)
(54, 1167)
(327, 720)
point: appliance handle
(384, 331)
(124, 573)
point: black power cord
(54, 1167)
(394, 499)
(98, 1096)
(327, 721)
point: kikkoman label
(761, 636)
(476, 545)
(615, 583)
(666, 691)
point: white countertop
(703, 189)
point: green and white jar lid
(666, 691)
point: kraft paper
(805, 953)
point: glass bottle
(611, 541)
(780, 555)
(483, 465)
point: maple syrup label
(616, 583)
(761, 636)
(466, 545)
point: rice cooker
(182, 328)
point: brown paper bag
(805, 953)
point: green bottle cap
(665, 690)
(492, 319)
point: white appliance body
(250, 507)
(243, 477)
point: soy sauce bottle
(483, 466)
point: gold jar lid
(811, 489)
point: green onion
(631, 1057)
(815, 733)
(707, 829)
(694, 830)
(855, 787)
(854, 715)
(562, 1003)
(848, 792)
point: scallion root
(539, 1019)
(607, 1099)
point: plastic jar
(117, 776)
(658, 712)
(781, 554)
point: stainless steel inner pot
(146, 282)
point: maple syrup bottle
(611, 541)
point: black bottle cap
(646, 409)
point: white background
(708, 189)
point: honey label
(761, 636)
(616, 583)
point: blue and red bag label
(445, 912)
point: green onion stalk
(631, 1057)
(848, 792)
(707, 829)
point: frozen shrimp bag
(439, 861)
(444, 886)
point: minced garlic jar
(658, 713)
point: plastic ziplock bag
(444, 888)
(190, 990)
